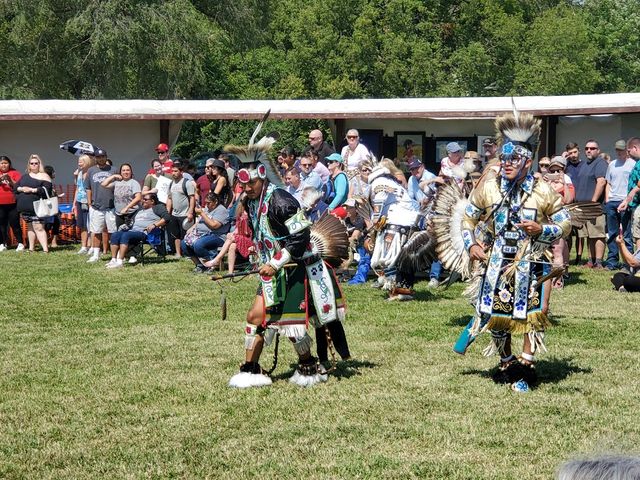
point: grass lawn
(123, 374)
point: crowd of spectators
(202, 217)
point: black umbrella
(79, 147)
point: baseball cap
(219, 163)
(558, 161)
(162, 148)
(487, 142)
(334, 157)
(415, 163)
(100, 153)
(453, 147)
(621, 145)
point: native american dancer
(296, 285)
(396, 219)
(509, 223)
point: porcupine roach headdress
(518, 134)
(257, 153)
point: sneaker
(133, 260)
(199, 269)
(93, 258)
(82, 250)
(20, 247)
(111, 262)
(89, 252)
(433, 283)
(3, 247)
(115, 264)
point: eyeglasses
(208, 166)
(305, 165)
(591, 148)
(544, 165)
(34, 163)
(351, 137)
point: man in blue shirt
(422, 187)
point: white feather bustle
(248, 380)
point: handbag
(46, 207)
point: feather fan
(583, 212)
(417, 253)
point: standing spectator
(231, 173)
(618, 173)
(164, 158)
(632, 201)
(321, 148)
(354, 152)
(308, 176)
(9, 216)
(80, 206)
(150, 184)
(203, 240)
(126, 193)
(181, 206)
(52, 223)
(574, 165)
(203, 184)
(101, 207)
(590, 187)
(338, 184)
(220, 185)
(33, 186)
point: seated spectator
(220, 184)
(313, 203)
(309, 177)
(202, 241)
(152, 215)
(238, 244)
(627, 282)
(359, 185)
(203, 183)
(319, 167)
(294, 183)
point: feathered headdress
(518, 133)
(257, 153)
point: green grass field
(123, 374)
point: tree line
(258, 49)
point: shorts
(82, 217)
(99, 219)
(635, 223)
(594, 229)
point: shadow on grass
(575, 278)
(553, 370)
(460, 321)
(344, 369)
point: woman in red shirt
(9, 216)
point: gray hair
(602, 468)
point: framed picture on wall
(441, 145)
(409, 144)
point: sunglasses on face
(591, 148)
(544, 165)
(351, 137)
(305, 165)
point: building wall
(126, 141)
